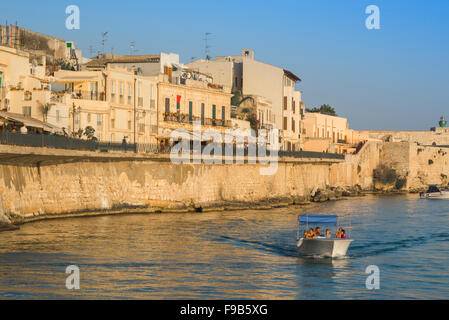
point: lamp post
(139, 114)
(75, 110)
(135, 108)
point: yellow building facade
(25, 89)
(118, 103)
(325, 133)
(180, 105)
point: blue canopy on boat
(329, 220)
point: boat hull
(331, 248)
(443, 195)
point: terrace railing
(88, 95)
(47, 141)
(62, 142)
(311, 154)
(255, 150)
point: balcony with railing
(187, 119)
(58, 98)
(181, 118)
(88, 95)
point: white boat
(327, 248)
(320, 246)
(434, 192)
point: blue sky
(395, 78)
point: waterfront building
(25, 90)
(144, 98)
(55, 50)
(181, 103)
(147, 65)
(117, 102)
(249, 77)
(326, 133)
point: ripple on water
(225, 255)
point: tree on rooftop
(64, 65)
(246, 109)
(324, 109)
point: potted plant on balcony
(183, 117)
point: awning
(75, 79)
(178, 66)
(194, 136)
(29, 122)
(238, 136)
(64, 76)
(329, 220)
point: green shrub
(385, 175)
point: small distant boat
(434, 192)
(321, 246)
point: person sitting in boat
(305, 235)
(311, 234)
(317, 232)
(338, 234)
(342, 234)
(328, 234)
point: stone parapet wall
(420, 137)
(418, 165)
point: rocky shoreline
(9, 223)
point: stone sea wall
(415, 165)
(49, 183)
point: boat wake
(268, 247)
(355, 251)
(378, 247)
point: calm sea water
(232, 255)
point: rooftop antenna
(103, 38)
(207, 46)
(18, 39)
(132, 48)
(7, 35)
